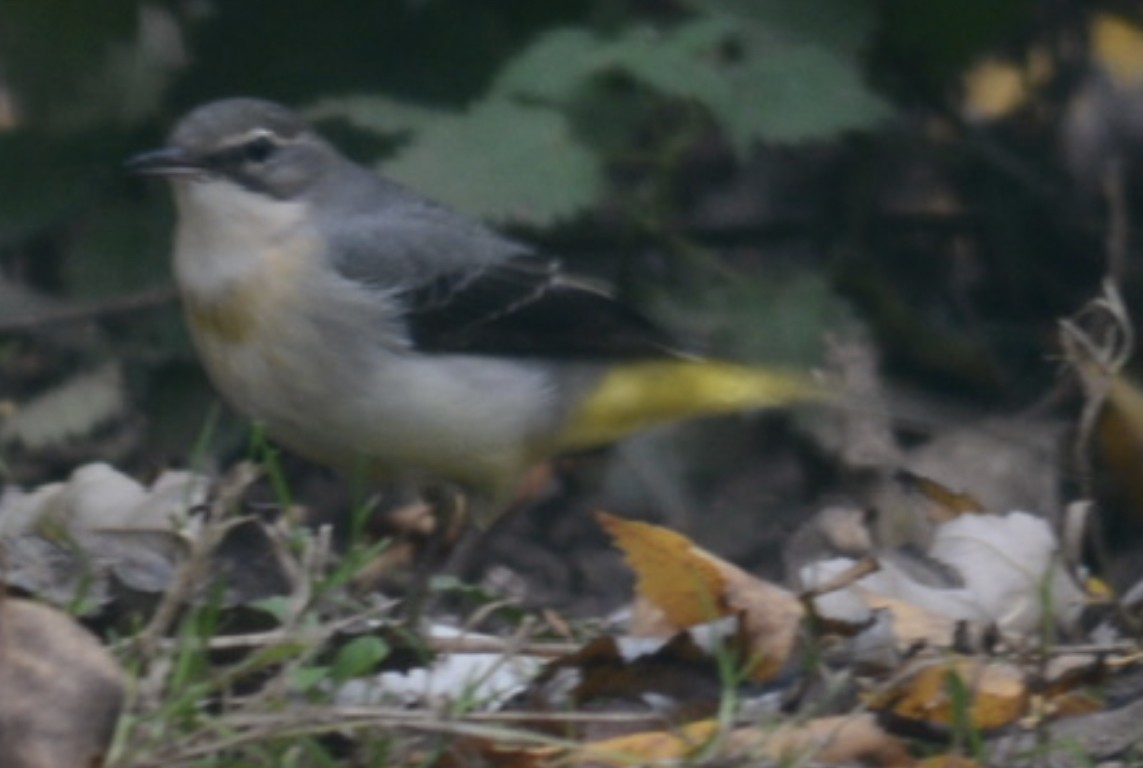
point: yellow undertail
(636, 396)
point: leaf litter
(966, 632)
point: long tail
(635, 396)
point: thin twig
(194, 571)
(455, 645)
(259, 727)
(116, 305)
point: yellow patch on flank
(231, 319)
(638, 395)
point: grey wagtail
(367, 327)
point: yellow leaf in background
(1120, 431)
(947, 761)
(688, 586)
(995, 88)
(647, 746)
(1117, 45)
(669, 573)
(1127, 399)
(847, 739)
(836, 740)
(995, 693)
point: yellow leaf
(687, 585)
(994, 89)
(1117, 45)
(996, 693)
(828, 741)
(648, 746)
(1120, 432)
(669, 573)
(947, 761)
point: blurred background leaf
(503, 161)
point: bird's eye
(259, 150)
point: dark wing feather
(466, 288)
(526, 307)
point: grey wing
(470, 290)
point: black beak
(168, 161)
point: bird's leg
(463, 526)
(448, 516)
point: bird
(375, 331)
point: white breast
(322, 362)
(227, 233)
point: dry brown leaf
(1120, 431)
(1068, 685)
(670, 572)
(996, 691)
(771, 618)
(829, 740)
(686, 585)
(844, 739)
(825, 741)
(70, 689)
(498, 754)
(913, 624)
(609, 675)
(647, 746)
(1073, 704)
(948, 761)
(633, 749)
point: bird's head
(258, 145)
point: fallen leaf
(982, 569)
(827, 740)
(647, 746)
(844, 739)
(70, 689)
(687, 586)
(670, 572)
(676, 678)
(913, 624)
(947, 761)
(1011, 565)
(995, 693)
(1120, 433)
